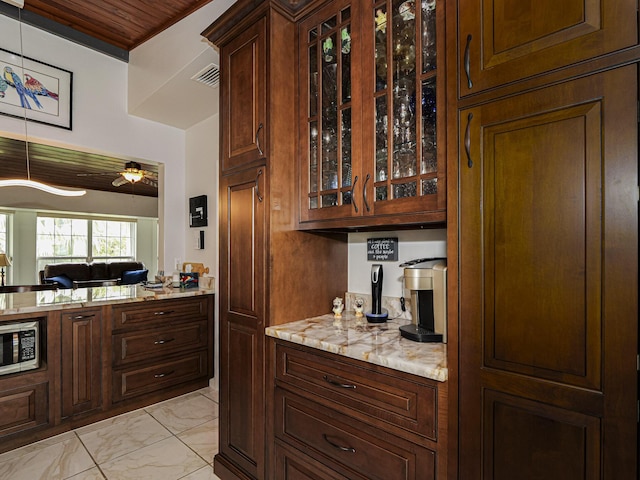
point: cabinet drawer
(135, 381)
(24, 408)
(372, 395)
(159, 312)
(159, 342)
(290, 465)
(352, 448)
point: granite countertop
(47, 300)
(377, 343)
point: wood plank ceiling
(125, 24)
(122, 23)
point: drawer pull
(82, 317)
(162, 342)
(163, 312)
(338, 447)
(338, 384)
(467, 62)
(160, 375)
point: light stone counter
(377, 343)
(47, 300)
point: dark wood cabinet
(103, 360)
(243, 99)
(81, 342)
(242, 307)
(268, 269)
(354, 420)
(548, 282)
(500, 41)
(372, 99)
(159, 345)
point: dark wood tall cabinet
(270, 273)
(546, 239)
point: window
(61, 240)
(4, 232)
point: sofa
(95, 274)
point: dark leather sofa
(96, 274)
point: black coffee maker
(427, 280)
(377, 314)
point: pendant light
(19, 182)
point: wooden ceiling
(60, 167)
(122, 23)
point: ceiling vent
(209, 75)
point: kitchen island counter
(376, 343)
(49, 300)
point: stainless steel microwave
(19, 346)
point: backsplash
(392, 304)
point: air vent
(209, 75)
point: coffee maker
(426, 278)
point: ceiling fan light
(133, 177)
(42, 186)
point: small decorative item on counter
(338, 307)
(358, 306)
(189, 280)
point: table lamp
(4, 262)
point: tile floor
(171, 440)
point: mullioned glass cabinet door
(329, 122)
(405, 98)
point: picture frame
(44, 94)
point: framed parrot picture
(35, 90)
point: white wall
(412, 244)
(202, 179)
(101, 123)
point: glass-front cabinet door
(329, 121)
(370, 102)
(404, 104)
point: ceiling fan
(132, 173)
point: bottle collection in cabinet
(371, 99)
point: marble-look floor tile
(35, 447)
(210, 392)
(185, 412)
(167, 459)
(122, 435)
(91, 474)
(202, 439)
(55, 461)
(205, 473)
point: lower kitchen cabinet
(81, 334)
(104, 360)
(159, 345)
(334, 417)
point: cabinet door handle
(339, 447)
(467, 62)
(364, 192)
(338, 384)
(258, 140)
(260, 198)
(353, 199)
(163, 312)
(162, 342)
(160, 375)
(467, 140)
(82, 317)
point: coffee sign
(382, 249)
